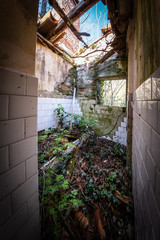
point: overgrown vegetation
(94, 200)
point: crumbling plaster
(51, 70)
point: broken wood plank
(56, 6)
(105, 57)
(123, 198)
(56, 38)
(65, 55)
(81, 8)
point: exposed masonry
(121, 133)
(146, 158)
(19, 204)
(47, 117)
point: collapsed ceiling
(50, 31)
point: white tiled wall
(46, 115)
(18, 156)
(146, 158)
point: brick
(12, 179)
(4, 161)
(5, 209)
(12, 131)
(24, 192)
(3, 107)
(31, 127)
(151, 169)
(155, 148)
(12, 82)
(31, 166)
(22, 106)
(33, 203)
(152, 114)
(32, 86)
(23, 150)
(157, 188)
(31, 229)
(14, 224)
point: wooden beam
(81, 8)
(56, 6)
(105, 57)
(57, 37)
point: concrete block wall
(47, 117)
(146, 158)
(121, 133)
(106, 116)
(19, 204)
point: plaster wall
(19, 204)
(18, 35)
(51, 70)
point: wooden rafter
(56, 6)
(82, 7)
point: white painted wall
(47, 117)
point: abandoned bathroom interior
(41, 62)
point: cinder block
(12, 179)
(147, 132)
(24, 192)
(12, 82)
(145, 110)
(31, 127)
(11, 131)
(159, 117)
(31, 166)
(155, 148)
(120, 129)
(4, 107)
(32, 86)
(4, 161)
(157, 188)
(123, 124)
(23, 150)
(152, 114)
(22, 106)
(5, 209)
(14, 224)
(154, 212)
(33, 203)
(31, 229)
(125, 119)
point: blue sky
(97, 19)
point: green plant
(62, 114)
(57, 198)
